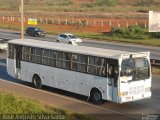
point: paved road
(71, 101)
(79, 103)
(155, 51)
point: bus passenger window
(45, 57)
(59, 62)
(38, 57)
(82, 59)
(67, 60)
(74, 65)
(32, 55)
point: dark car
(34, 31)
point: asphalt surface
(74, 102)
(155, 51)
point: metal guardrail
(155, 62)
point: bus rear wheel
(96, 96)
(37, 83)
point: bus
(100, 74)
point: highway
(155, 51)
(126, 111)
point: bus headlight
(74, 42)
(148, 89)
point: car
(69, 39)
(3, 44)
(34, 31)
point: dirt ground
(78, 25)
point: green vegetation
(156, 70)
(14, 104)
(106, 3)
(100, 3)
(132, 34)
(103, 6)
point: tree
(106, 2)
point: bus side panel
(11, 67)
(27, 71)
(72, 81)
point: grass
(14, 104)
(74, 6)
(111, 38)
(156, 70)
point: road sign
(154, 21)
(32, 21)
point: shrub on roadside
(134, 32)
(107, 2)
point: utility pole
(22, 20)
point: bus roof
(101, 52)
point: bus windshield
(135, 68)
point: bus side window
(11, 51)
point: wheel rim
(97, 96)
(37, 82)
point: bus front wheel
(37, 83)
(96, 96)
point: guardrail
(155, 62)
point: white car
(3, 45)
(69, 39)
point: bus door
(112, 73)
(18, 54)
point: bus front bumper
(129, 98)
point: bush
(106, 2)
(134, 32)
(118, 31)
(144, 2)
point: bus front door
(18, 52)
(112, 90)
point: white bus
(100, 74)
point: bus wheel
(96, 96)
(70, 43)
(37, 82)
(57, 41)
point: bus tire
(70, 43)
(57, 41)
(96, 96)
(37, 83)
